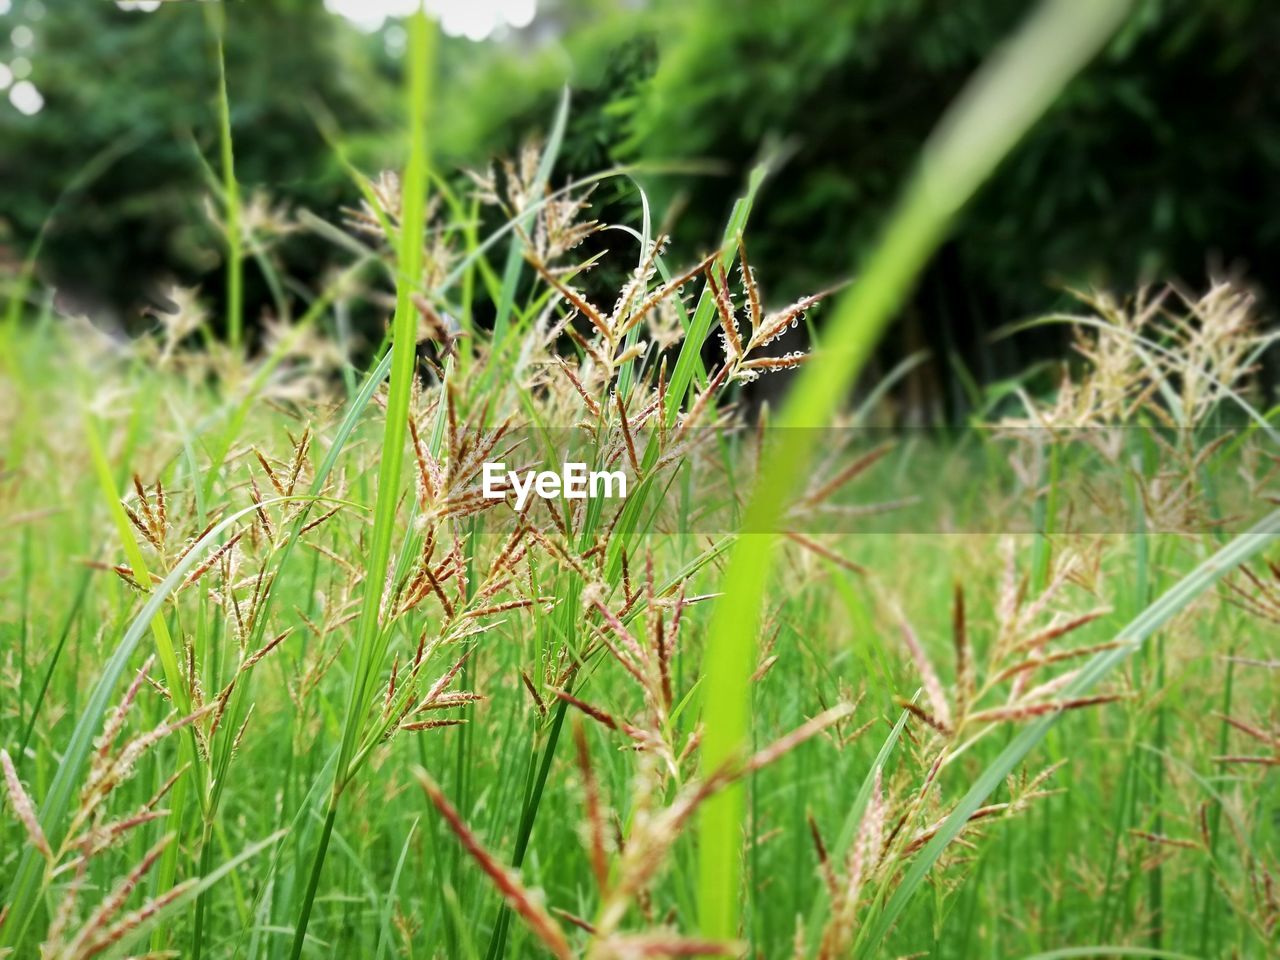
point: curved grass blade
(818, 915)
(999, 105)
(1130, 639)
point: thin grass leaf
(993, 112)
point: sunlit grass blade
(991, 114)
(370, 644)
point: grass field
(279, 681)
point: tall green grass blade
(256, 248)
(393, 893)
(82, 588)
(992, 113)
(515, 254)
(370, 645)
(689, 360)
(216, 18)
(403, 359)
(887, 383)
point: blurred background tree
(141, 89)
(1158, 163)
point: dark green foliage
(1156, 164)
